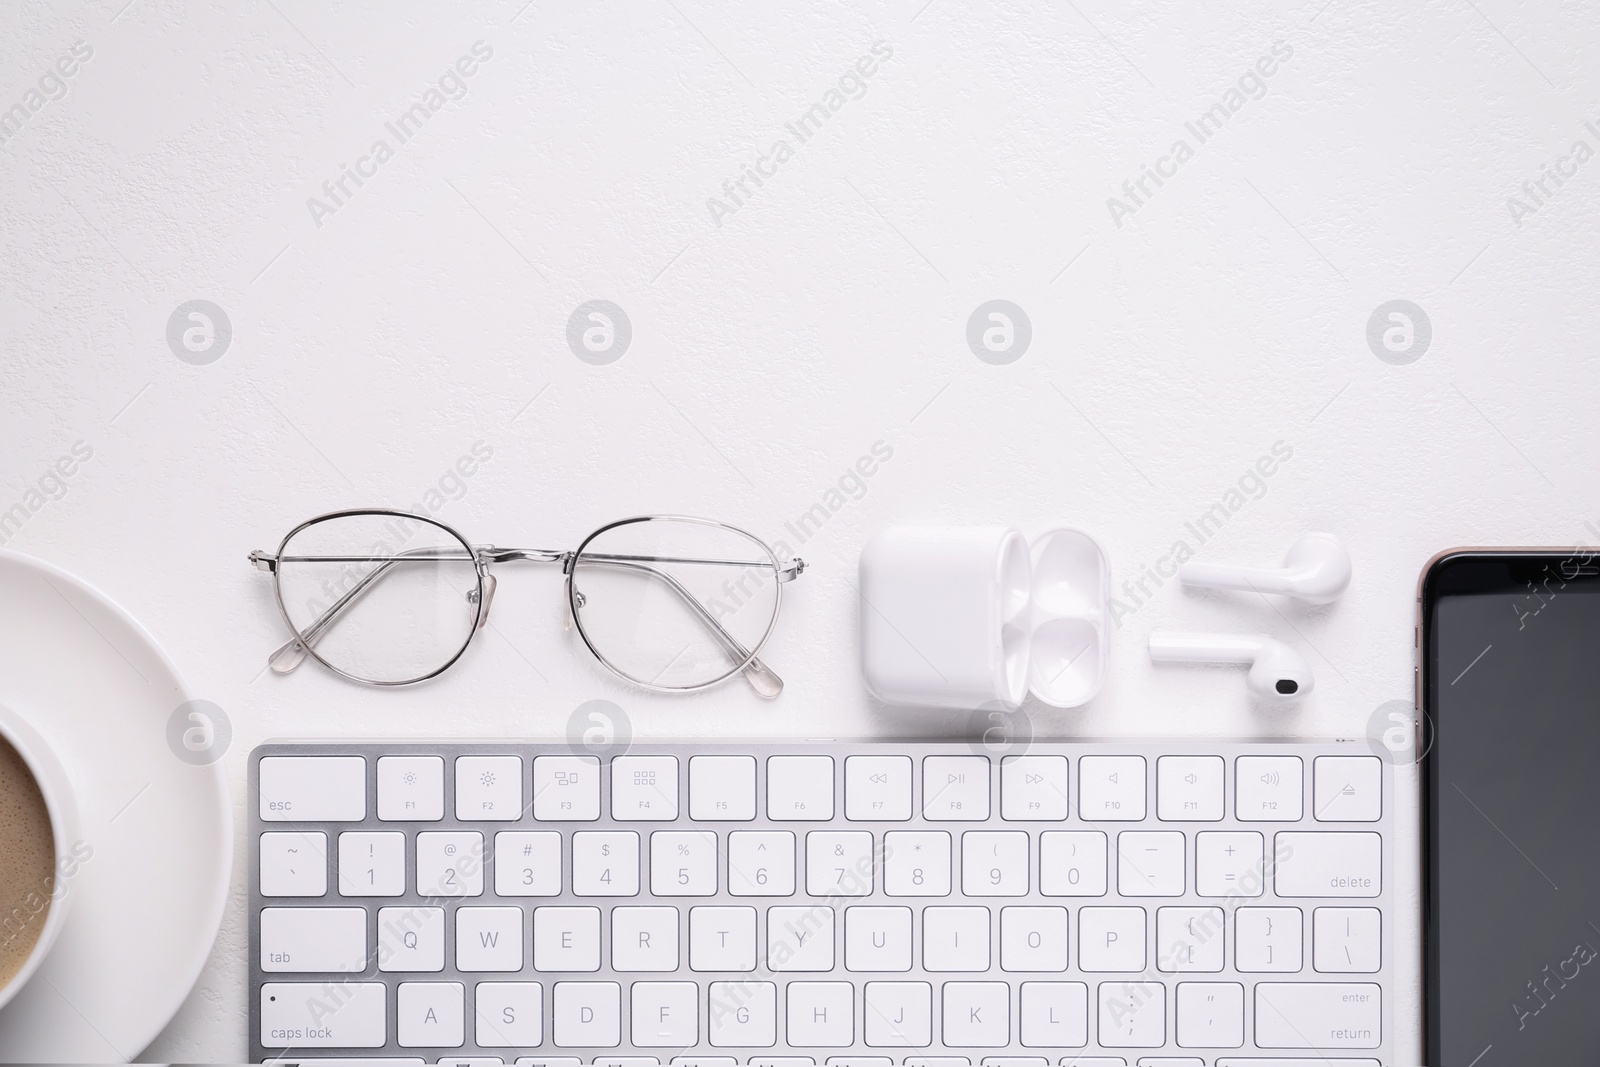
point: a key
(509, 1014)
(877, 788)
(450, 863)
(683, 863)
(955, 788)
(1072, 863)
(296, 1015)
(313, 788)
(527, 863)
(1189, 939)
(1133, 1014)
(1320, 1015)
(488, 788)
(566, 788)
(839, 863)
(411, 938)
(410, 788)
(1229, 863)
(372, 864)
(586, 1014)
(1327, 864)
(1111, 788)
(898, 1014)
(977, 1014)
(1346, 789)
(1210, 1014)
(1054, 1014)
(1268, 788)
(743, 1014)
(665, 1015)
(877, 939)
(722, 939)
(1034, 788)
(1150, 863)
(722, 788)
(800, 787)
(1033, 939)
(1267, 939)
(955, 939)
(994, 863)
(1111, 939)
(430, 1014)
(761, 863)
(313, 939)
(916, 863)
(644, 788)
(820, 1014)
(294, 864)
(488, 939)
(566, 939)
(605, 863)
(644, 939)
(1346, 940)
(1189, 788)
(800, 939)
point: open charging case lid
(1068, 638)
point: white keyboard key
(527, 863)
(488, 788)
(488, 939)
(799, 787)
(410, 788)
(1055, 1015)
(1133, 1014)
(466, 1061)
(605, 863)
(430, 1014)
(372, 864)
(877, 788)
(665, 1015)
(1150, 863)
(1111, 788)
(955, 788)
(877, 939)
(644, 939)
(509, 1014)
(548, 1061)
(294, 864)
(1269, 788)
(722, 939)
(1347, 789)
(566, 939)
(899, 1014)
(761, 863)
(1267, 940)
(800, 939)
(313, 939)
(1229, 863)
(1034, 788)
(1295, 1061)
(313, 788)
(722, 788)
(781, 1061)
(937, 1061)
(839, 863)
(1111, 939)
(587, 1015)
(994, 863)
(976, 1014)
(1210, 1015)
(566, 789)
(916, 863)
(1189, 940)
(743, 1014)
(410, 938)
(821, 1014)
(683, 863)
(1189, 788)
(450, 863)
(1072, 863)
(1347, 940)
(1033, 939)
(955, 939)
(296, 1015)
(1327, 864)
(1318, 1015)
(644, 788)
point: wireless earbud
(1316, 570)
(1277, 672)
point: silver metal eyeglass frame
(290, 655)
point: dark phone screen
(1513, 813)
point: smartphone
(1509, 684)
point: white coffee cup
(61, 804)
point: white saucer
(145, 908)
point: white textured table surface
(381, 330)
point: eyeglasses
(670, 603)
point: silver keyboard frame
(1150, 749)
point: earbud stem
(1168, 646)
(1245, 579)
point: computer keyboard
(927, 904)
